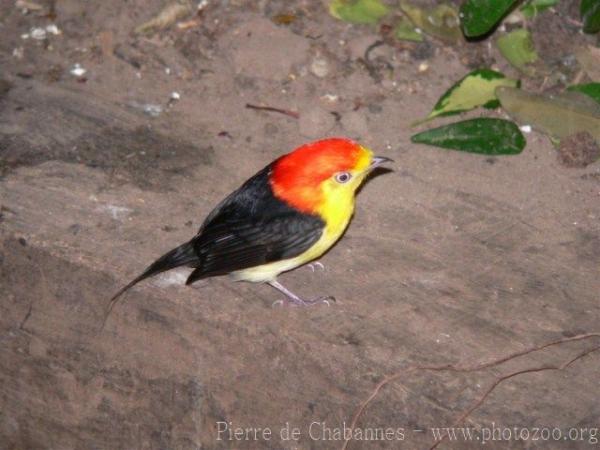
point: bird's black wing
(252, 227)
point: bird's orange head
(323, 172)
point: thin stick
(503, 378)
(287, 112)
(473, 368)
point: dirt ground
(452, 260)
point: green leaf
(475, 89)
(517, 47)
(406, 31)
(479, 17)
(590, 15)
(533, 7)
(589, 89)
(358, 11)
(558, 116)
(484, 135)
(441, 21)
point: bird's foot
(297, 301)
(293, 300)
(316, 265)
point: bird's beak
(379, 160)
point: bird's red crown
(296, 177)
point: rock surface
(450, 259)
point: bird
(286, 215)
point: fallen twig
(473, 368)
(287, 112)
(370, 65)
(503, 378)
(167, 16)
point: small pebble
(525, 128)
(38, 34)
(78, 71)
(319, 67)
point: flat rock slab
(451, 261)
(182, 360)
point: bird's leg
(315, 265)
(294, 299)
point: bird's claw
(326, 300)
(300, 302)
(316, 265)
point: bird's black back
(252, 227)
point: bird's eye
(343, 177)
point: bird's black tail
(180, 256)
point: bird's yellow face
(347, 180)
(339, 189)
(322, 176)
